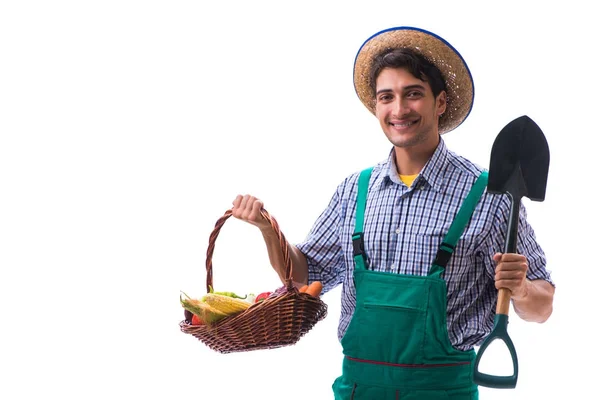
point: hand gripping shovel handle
(501, 321)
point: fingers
(248, 208)
(510, 262)
(511, 279)
(509, 257)
(511, 271)
(257, 206)
(237, 201)
(508, 276)
(515, 284)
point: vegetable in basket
(229, 294)
(262, 296)
(214, 307)
(314, 289)
(205, 312)
(225, 304)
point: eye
(385, 97)
(414, 94)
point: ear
(440, 103)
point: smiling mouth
(402, 125)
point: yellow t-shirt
(408, 179)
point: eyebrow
(410, 87)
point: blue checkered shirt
(403, 229)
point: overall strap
(358, 243)
(458, 225)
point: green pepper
(229, 294)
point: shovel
(518, 167)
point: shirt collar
(432, 174)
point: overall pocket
(389, 321)
(397, 334)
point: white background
(128, 127)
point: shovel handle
(503, 304)
(510, 246)
(500, 331)
(512, 231)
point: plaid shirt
(403, 230)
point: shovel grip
(499, 332)
(503, 304)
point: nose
(401, 106)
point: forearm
(298, 260)
(536, 304)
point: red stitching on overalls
(407, 365)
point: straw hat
(459, 82)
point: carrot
(303, 289)
(314, 289)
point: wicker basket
(278, 321)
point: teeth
(403, 125)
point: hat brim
(460, 91)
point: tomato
(262, 297)
(196, 320)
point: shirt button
(398, 231)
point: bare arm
(532, 299)
(299, 265)
(536, 304)
(248, 208)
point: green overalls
(397, 345)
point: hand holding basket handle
(278, 321)
(250, 209)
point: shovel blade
(519, 160)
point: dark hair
(413, 62)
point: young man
(419, 278)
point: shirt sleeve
(322, 247)
(527, 244)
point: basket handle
(282, 242)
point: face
(406, 109)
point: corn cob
(225, 304)
(206, 313)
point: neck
(411, 160)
